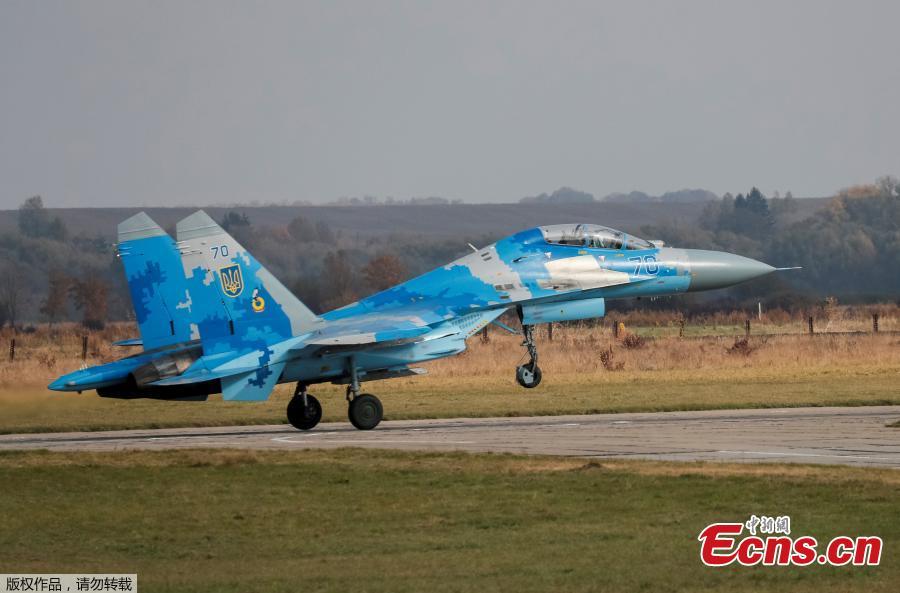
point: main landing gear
(304, 411)
(364, 410)
(528, 375)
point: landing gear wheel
(365, 411)
(304, 417)
(528, 375)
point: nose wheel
(528, 375)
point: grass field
(40, 411)
(352, 520)
(585, 371)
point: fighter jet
(213, 320)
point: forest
(849, 250)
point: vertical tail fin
(156, 281)
(258, 307)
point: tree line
(851, 249)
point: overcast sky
(188, 102)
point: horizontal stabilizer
(129, 342)
(202, 374)
(253, 386)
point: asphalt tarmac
(847, 436)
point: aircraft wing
(374, 329)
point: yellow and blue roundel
(258, 303)
(232, 280)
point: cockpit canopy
(592, 236)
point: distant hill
(564, 195)
(440, 221)
(688, 195)
(682, 196)
(634, 197)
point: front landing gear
(304, 411)
(364, 410)
(529, 375)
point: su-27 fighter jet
(213, 320)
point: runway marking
(167, 438)
(376, 441)
(304, 436)
(789, 454)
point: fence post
(550, 332)
(681, 327)
(875, 322)
(484, 335)
(12, 350)
(616, 328)
(747, 328)
(811, 325)
(84, 344)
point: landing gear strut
(528, 375)
(304, 411)
(364, 410)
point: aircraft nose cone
(716, 269)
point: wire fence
(71, 344)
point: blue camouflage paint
(155, 281)
(254, 333)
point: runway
(848, 436)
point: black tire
(304, 419)
(365, 411)
(528, 375)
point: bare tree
(384, 271)
(91, 295)
(35, 221)
(302, 230)
(11, 289)
(54, 306)
(338, 277)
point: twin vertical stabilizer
(156, 281)
(207, 287)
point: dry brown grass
(586, 371)
(575, 350)
(44, 354)
(579, 351)
(828, 315)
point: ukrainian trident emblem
(231, 279)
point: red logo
(721, 545)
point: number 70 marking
(648, 262)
